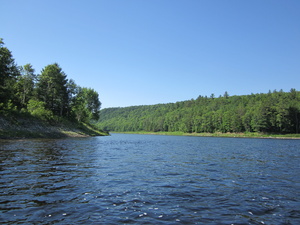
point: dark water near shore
(149, 179)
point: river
(150, 179)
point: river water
(150, 179)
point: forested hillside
(275, 112)
(48, 96)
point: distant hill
(274, 112)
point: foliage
(52, 89)
(7, 108)
(277, 112)
(25, 84)
(47, 96)
(86, 106)
(37, 109)
(8, 73)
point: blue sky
(141, 52)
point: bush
(7, 108)
(37, 109)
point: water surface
(149, 179)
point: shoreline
(18, 127)
(218, 134)
(59, 134)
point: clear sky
(141, 52)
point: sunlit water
(149, 179)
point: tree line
(48, 95)
(274, 112)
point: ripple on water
(141, 179)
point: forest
(272, 112)
(48, 96)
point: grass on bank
(219, 134)
(15, 126)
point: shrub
(37, 109)
(7, 108)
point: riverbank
(18, 127)
(219, 134)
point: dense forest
(274, 112)
(49, 96)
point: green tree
(8, 74)
(37, 109)
(86, 106)
(259, 121)
(72, 89)
(226, 95)
(281, 114)
(52, 89)
(25, 84)
(272, 112)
